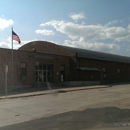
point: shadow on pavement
(76, 120)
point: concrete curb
(45, 92)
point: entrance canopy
(84, 68)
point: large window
(23, 69)
(43, 73)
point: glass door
(43, 73)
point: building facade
(39, 62)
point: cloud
(45, 32)
(77, 17)
(5, 23)
(87, 33)
(77, 31)
(118, 33)
(112, 23)
(4, 45)
(96, 46)
(128, 49)
(16, 45)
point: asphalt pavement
(101, 108)
(90, 119)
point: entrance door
(62, 73)
(43, 73)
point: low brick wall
(79, 83)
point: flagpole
(15, 37)
(12, 58)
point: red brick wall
(111, 73)
(31, 58)
(46, 47)
(58, 56)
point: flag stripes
(15, 37)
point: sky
(99, 25)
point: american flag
(15, 37)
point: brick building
(39, 62)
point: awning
(92, 69)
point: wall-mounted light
(30, 57)
(57, 60)
(34, 49)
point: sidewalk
(33, 92)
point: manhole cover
(17, 115)
(101, 90)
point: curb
(48, 92)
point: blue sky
(100, 25)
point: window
(118, 70)
(62, 67)
(103, 69)
(23, 69)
